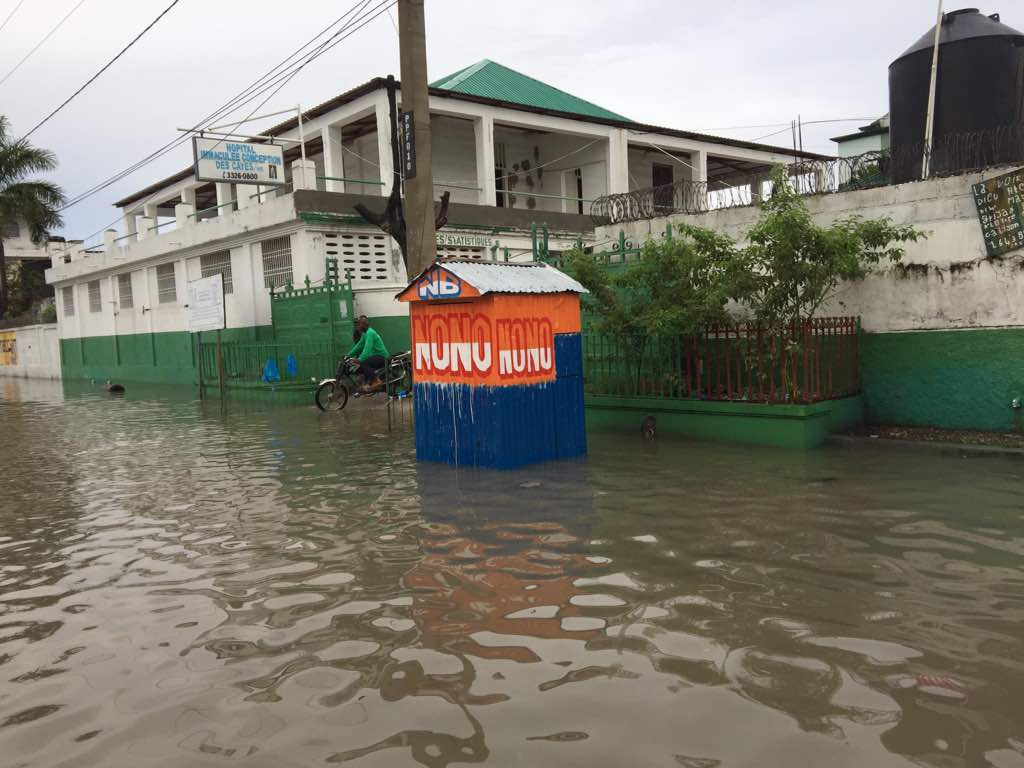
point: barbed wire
(952, 154)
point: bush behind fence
(806, 362)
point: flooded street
(280, 587)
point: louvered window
(218, 263)
(166, 290)
(124, 290)
(277, 261)
(95, 298)
(68, 294)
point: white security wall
(38, 352)
(943, 282)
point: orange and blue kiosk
(497, 363)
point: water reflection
(276, 587)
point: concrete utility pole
(419, 190)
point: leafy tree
(32, 202)
(796, 265)
(788, 269)
(676, 287)
(26, 285)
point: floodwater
(276, 587)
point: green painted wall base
(782, 426)
(170, 358)
(158, 358)
(947, 379)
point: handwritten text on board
(206, 304)
(1000, 203)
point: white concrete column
(149, 210)
(311, 244)
(128, 223)
(698, 165)
(224, 195)
(245, 194)
(387, 168)
(303, 174)
(144, 301)
(183, 214)
(181, 281)
(334, 161)
(109, 236)
(618, 161)
(564, 190)
(483, 131)
(188, 196)
(145, 224)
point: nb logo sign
(439, 284)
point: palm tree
(36, 203)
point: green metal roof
(494, 81)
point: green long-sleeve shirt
(369, 344)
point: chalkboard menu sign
(1000, 203)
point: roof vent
(994, 16)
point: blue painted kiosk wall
(497, 361)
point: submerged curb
(949, 449)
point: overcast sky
(691, 64)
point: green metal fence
(269, 362)
(811, 361)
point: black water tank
(980, 87)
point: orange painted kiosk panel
(496, 363)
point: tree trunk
(3, 280)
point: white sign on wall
(238, 162)
(206, 304)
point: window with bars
(95, 297)
(68, 295)
(124, 290)
(166, 290)
(217, 263)
(277, 261)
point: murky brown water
(281, 588)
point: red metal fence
(803, 363)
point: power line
(247, 95)
(39, 45)
(103, 69)
(351, 27)
(777, 125)
(226, 108)
(789, 127)
(9, 15)
(319, 51)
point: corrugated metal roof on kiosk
(501, 277)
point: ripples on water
(281, 588)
